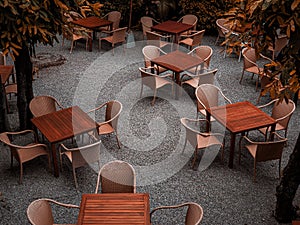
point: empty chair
(264, 82)
(209, 95)
(250, 64)
(110, 123)
(24, 153)
(153, 81)
(117, 36)
(198, 139)
(44, 104)
(204, 52)
(151, 52)
(280, 42)
(264, 151)
(156, 39)
(189, 19)
(11, 88)
(115, 17)
(193, 215)
(39, 212)
(116, 177)
(81, 156)
(223, 29)
(202, 77)
(192, 40)
(147, 22)
(282, 112)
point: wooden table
(240, 117)
(62, 125)
(173, 28)
(92, 23)
(114, 208)
(177, 62)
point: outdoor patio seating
(157, 39)
(117, 36)
(264, 151)
(194, 213)
(150, 52)
(193, 39)
(113, 16)
(80, 156)
(44, 104)
(189, 19)
(223, 29)
(39, 212)
(153, 81)
(116, 177)
(10, 89)
(203, 52)
(26, 152)
(280, 42)
(147, 22)
(281, 112)
(200, 139)
(202, 77)
(110, 123)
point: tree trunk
(25, 93)
(3, 111)
(285, 210)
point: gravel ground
(152, 141)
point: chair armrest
(265, 105)
(61, 204)
(265, 57)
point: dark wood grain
(92, 22)
(114, 208)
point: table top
(64, 124)
(92, 22)
(177, 61)
(5, 72)
(172, 27)
(241, 117)
(114, 208)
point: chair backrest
(2, 59)
(115, 17)
(282, 109)
(153, 38)
(151, 52)
(190, 19)
(249, 55)
(112, 112)
(269, 150)
(84, 155)
(222, 27)
(148, 78)
(280, 42)
(39, 212)
(194, 214)
(41, 105)
(209, 95)
(207, 77)
(191, 134)
(204, 52)
(197, 37)
(147, 23)
(119, 35)
(116, 177)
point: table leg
(54, 159)
(178, 82)
(90, 41)
(232, 146)
(207, 121)
(272, 132)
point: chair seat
(29, 154)
(187, 41)
(160, 82)
(11, 88)
(204, 142)
(109, 39)
(106, 129)
(192, 82)
(278, 127)
(254, 69)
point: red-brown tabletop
(62, 125)
(177, 62)
(173, 28)
(240, 117)
(92, 23)
(114, 208)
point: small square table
(177, 62)
(114, 208)
(62, 125)
(240, 117)
(92, 23)
(173, 28)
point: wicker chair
(81, 156)
(203, 52)
(157, 39)
(39, 212)
(151, 52)
(110, 124)
(280, 42)
(198, 139)
(147, 22)
(115, 17)
(44, 104)
(193, 215)
(11, 88)
(264, 151)
(209, 95)
(189, 19)
(24, 153)
(153, 81)
(223, 29)
(282, 112)
(192, 40)
(117, 36)
(203, 77)
(265, 80)
(116, 177)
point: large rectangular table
(62, 125)
(92, 23)
(114, 208)
(177, 62)
(173, 28)
(240, 117)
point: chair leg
(72, 44)
(154, 97)
(195, 157)
(118, 140)
(254, 171)
(74, 175)
(21, 173)
(242, 76)
(184, 145)
(279, 168)
(141, 91)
